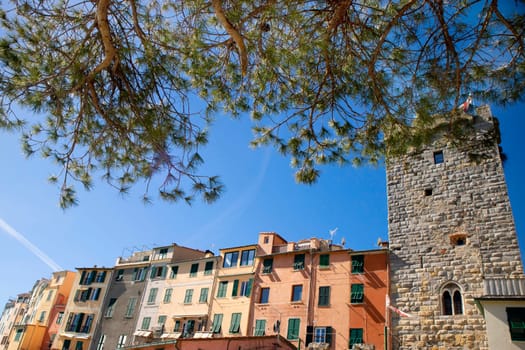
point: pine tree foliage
(108, 86)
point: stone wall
(448, 222)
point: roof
(501, 288)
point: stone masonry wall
(428, 206)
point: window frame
(194, 270)
(357, 337)
(439, 157)
(267, 266)
(217, 323)
(146, 323)
(152, 295)
(264, 298)
(161, 320)
(110, 309)
(297, 293)
(222, 289)
(319, 338)
(247, 257)
(121, 342)
(168, 292)
(188, 296)
(174, 271)
(516, 323)
(451, 298)
(324, 261)
(235, 325)
(260, 328)
(101, 341)
(358, 264)
(208, 268)
(163, 253)
(357, 293)
(294, 325)
(324, 296)
(130, 308)
(246, 288)
(203, 297)
(299, 261)
(231, 259)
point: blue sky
(261, 195)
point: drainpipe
(387, 312)
(213, 287)
(309, 316)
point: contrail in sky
(32, 248)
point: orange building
(369, 287)
(319, 295)
(54, 305)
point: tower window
(428, 192)
(458, 239)
(451, 300)
(438, 157)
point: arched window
(458, 303)
(447, 303)
(451, 300)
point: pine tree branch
(234, 33)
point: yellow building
(231, 303)
(30, 329)
(83, 309)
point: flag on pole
(466, 105)
(395, 309)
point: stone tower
(451, 230)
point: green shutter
(324, 296)
(221, 292)
(324, 260)
(356, 336)
(249, 287)
(188, 296)
(358, 263)
(357, 294)
(260, 328)
(217, 321)
(329, 335)
(235, 288)
(235, 323)
(293, 328)
(204, 295)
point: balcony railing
(279, 249)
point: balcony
(279, 249)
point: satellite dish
(277, 326)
